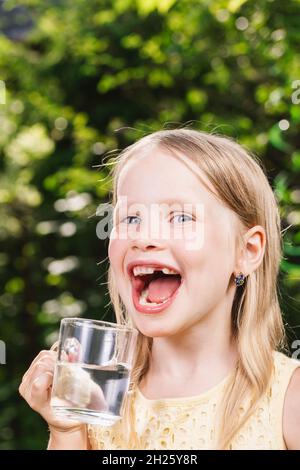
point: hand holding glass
(92, 374)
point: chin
(154, 329)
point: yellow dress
(188, 423)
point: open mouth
(154, 288)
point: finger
(28, 386)
(40, 390)
(41, 356)
(44, 361)
(45, 364)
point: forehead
(160, 176)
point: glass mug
(92, 372)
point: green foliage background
(85, 69)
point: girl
(194, 258)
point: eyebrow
(166, 201)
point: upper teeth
(140, 270)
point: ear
(253, 251)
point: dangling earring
(239, 279)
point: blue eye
(130, 217)
(184, 215)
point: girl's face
(166, 216)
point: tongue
(162, 288)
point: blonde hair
(240, 182)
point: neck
(205, 347)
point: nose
(143, 240)
(147, 245)
(148, 237)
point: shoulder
(291, 410)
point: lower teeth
(143, 299)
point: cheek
(216, 237)
(210, 254)
(116, 252)
(218, 251)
